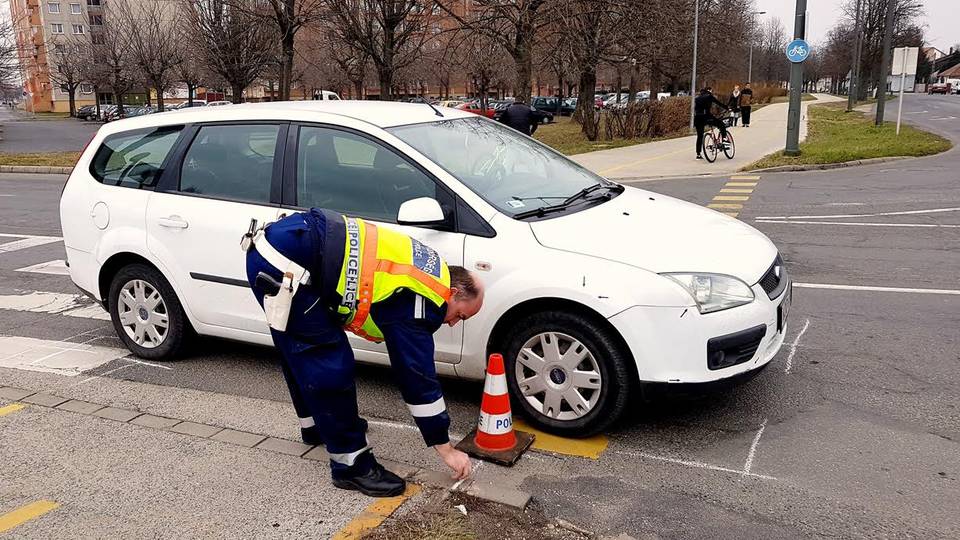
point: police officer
(318, 274)
(522, 117)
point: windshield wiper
(582, 194)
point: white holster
(277, 307)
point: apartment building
(37, 25)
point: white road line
(859, 224)
(56, 267)
(62, 358)
(104, 374)
(72, 305)
(874, 289)
(17, 245)
(694, 464)
(24, 235)
(753, 447)
(142, 363)
(793, 346)
(875, 214)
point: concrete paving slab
(155, 422)
(13, 394)
(195, 429)
(81, 407)
(47, 400)
(283, 446)
(114, 413)
(239, 438)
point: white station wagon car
(592, 287)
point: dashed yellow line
(26, 513)
(729, 204)
(736, 190)
(12, 408)
(590, 447)
(372, 516)
(741, 184)
(731, 198)
(725, 205)
(745, 177)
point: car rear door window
(354, 175)
(134, 159)
(231, 162)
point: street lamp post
(693, 78)
(855, 65)
(752, 28)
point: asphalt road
(852, 431)
(22, 134)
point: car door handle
(173, 222)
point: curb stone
(436, 479)
(34, 169)
(827, 166)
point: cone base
(501, 457)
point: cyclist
(702, 116)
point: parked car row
(109, 113)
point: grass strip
(44, 159)
(564, 136)
(836, 136)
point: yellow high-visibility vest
(377, 262)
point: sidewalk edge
(35, 169)
(827, 166)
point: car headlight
(713, 292)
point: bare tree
(153, 38)
(191, 73)
(390, 32)
(9, 55)
(67, 57)
(515, 24)
(111, 64)
(232, 42)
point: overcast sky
(942, 18)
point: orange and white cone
(495, 430)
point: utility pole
(854, 63)
(885, 62)
(693, 78)
(796, 82)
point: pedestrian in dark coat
(522, 117)
(746, 104)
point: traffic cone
(495, 439)
(495, 429)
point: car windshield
(512, 172)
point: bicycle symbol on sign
(797, 50)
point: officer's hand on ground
(455, 459)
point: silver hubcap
(558, 376)
(143, 313)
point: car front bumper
(670, 345)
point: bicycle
(713, 144)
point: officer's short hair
(462, 280)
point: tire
(709, 147)
(141, 282)
(603, 356)
(729, 147)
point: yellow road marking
(741, 184)
(372, 516)
(745, 177)
(26, 513)
(733, 206)
(736, 190)
(731, 198)
(591, 447)
(731, 214)
(12, 408)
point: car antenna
(434, 109)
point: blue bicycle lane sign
(797, 51)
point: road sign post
(904, 63)
(797, 51)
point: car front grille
(736, 348)
(774, 280)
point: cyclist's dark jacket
(703, 103)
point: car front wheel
(146, 313)
(567, 373)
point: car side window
(231, 162)
(354, 175)
(134, 159)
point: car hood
(661, 234)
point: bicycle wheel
(709, 147)
(729, 148)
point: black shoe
(311, 435)
(699, 156)
(378, 482)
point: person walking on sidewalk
(746, 104)
(733, 103)
(703, 116)
(319, 274)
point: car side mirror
(421, 211)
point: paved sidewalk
(675, 157)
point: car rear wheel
(146, 313)
(567, 373)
